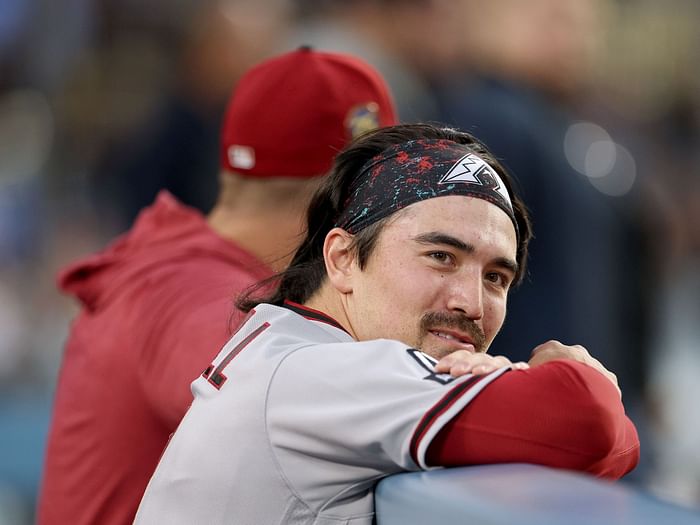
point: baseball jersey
(156, 307)
(294, 422)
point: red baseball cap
(290, 115)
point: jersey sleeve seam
(271, 447)
(431, 423)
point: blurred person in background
(674, 389)
(674, 124)
(67, 95)
(392, 35)
(158, 303)
(180, 134)
(519, 92)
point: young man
(370, 358)
(159, 303)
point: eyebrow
(449, 240)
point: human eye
(499, 279)
(442, 258)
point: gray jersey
(295, 422)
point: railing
(518, 494)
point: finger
(520, 365)
(461, 368)
(442, 366)
(500, 361)
(547, 344)
(484, 369)
(447, 366)
(446, 363)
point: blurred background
(593, 104)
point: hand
(555, 350)
(464, 362)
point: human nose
(466, 296)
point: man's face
(438, 277)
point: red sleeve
(562, 414)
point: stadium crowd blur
(594, 105)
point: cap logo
(472, 169)
(242, 157)
(361, 119)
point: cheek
(401, 295)
(494, 315)
(395, 281)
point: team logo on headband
(362, 118)
(472, 169)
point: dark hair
(307, 271)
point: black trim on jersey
(310, 313)
(421, 358)
(429, 417)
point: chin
(438, 352)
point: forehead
(470, 219)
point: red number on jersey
(215, 376)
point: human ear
(339, 259)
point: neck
(263, 216)
(272, 237)
(333, 304)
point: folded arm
(562, 413)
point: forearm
(561, 414)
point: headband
(419, 170)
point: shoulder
(376, 364)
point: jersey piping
(310, 313)
(444, 410)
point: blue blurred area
(24, 420)
(518, 493)
(13, 15)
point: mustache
(456, 321)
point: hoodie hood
(165, 231)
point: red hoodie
(157, 306)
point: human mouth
(461, 340)
(453, 331)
